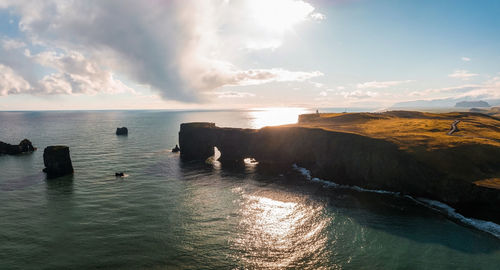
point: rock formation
(122, 131)
(176, 149)
(23, 147)
(57, 161)
(344, 158)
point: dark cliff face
(343, 158)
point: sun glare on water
(279, 231)
(275, 116)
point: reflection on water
(275, 116)
(281, 230)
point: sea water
(167, 214)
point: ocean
(168, 214)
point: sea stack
(24, 146)
(122, 131)
(57, 161)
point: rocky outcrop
(344, 158)
(57, 161)
(122, 131)
(176, 149)
(24, 146)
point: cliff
(447, 174)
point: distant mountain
(435, 103)
(470, 104)
(494, 111)
(443, 103)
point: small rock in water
(57, 161)
(176, 149)
(119, 174)
(122, 131)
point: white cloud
(178, 48)
(462, 74)
(466, 59)
(72, 73)
(323, 93)
(232, 94)
(488, 89)
(317, 84)
(359, 94)
(11, 82)
(318, 16)
(11, 44)
(384, 84)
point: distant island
(402, 151)
(471, 104)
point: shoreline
(489, 227)
(443, 168)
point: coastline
(478, 224)
(368, 162)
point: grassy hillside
(470, 154)
(410, 130)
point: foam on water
(482, 225)
(486, 226)
(307, 174)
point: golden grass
(411, 130)
(489, 183)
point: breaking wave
(482, 225)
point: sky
(229, 54)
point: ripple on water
(280, 230)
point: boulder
(23, 147)
(176, 149)
(57, 161)
(122, 131)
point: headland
(402, 151)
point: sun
(278, 15)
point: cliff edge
(407, 152)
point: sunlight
(278, 15)
(280, 230)
(275, 116)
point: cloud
(466, 59)
(318, 16)
(233, 77)
(11, 82)
(384, 84)
(11, 44)
(70, 73)
(462, 74)
(176, 48)
(489, 89)
(317, 84)
(359, 94)
(232, 94)
(323, 93)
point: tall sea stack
(57, 161)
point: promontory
(413, 153)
